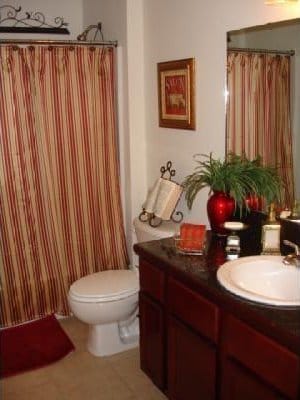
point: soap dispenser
(271, 233)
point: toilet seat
(111, 285)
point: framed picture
(176, 94)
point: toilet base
(104, 340)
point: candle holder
(233, 248)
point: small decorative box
(191, 239)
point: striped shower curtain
(60, 208)
(258, 112)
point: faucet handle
(291, 244)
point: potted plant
(234, 181)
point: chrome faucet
(292, 259)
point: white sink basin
(264, 279)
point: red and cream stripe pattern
(60, 207)
(258, 112)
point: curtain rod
(109, 43)
(249, 50)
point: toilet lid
(106, 285)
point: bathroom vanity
(199, 341)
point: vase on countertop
(220, 208)
(254, 202)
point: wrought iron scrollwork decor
(167, 170)
(12, 20)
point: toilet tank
(145, 232)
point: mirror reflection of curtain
(60, 208)
(258, 112)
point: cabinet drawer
(152, 280)
(195, 310)
(272, 362)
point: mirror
(281, 36)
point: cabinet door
(152, 340)
(262, 358)
(239, 383)
(191, 364)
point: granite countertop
(199, 273)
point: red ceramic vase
(220, 208)
(254, 202)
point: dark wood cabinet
(191, 364)
(193, 309)
(152, 340)
(240, 383)
(254, 363)
(152, 323)
(199, 343)
(193, 325)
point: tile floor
(83, 376)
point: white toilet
(108, 300)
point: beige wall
(150, 31)
(195, 28)
(170, 30)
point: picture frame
(176, 94)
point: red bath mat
(32, 345)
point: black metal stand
(151, 218)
